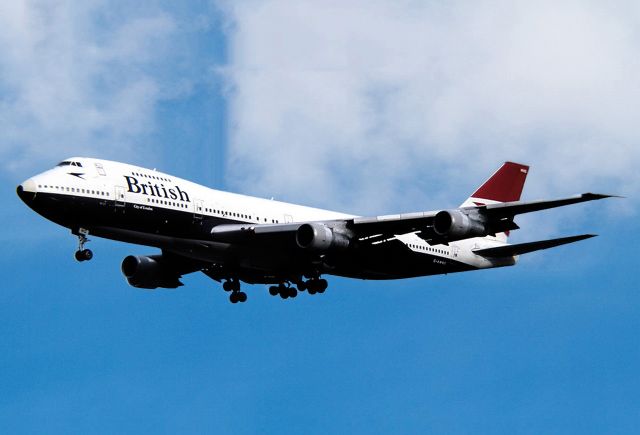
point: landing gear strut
(83, 254)
(233, 286)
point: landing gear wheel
(292, 292)
(84, 255)
(302, 286)
(316, 286)
(283, 291)
(232, 285)
(273, 290)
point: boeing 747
(236, 238)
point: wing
(457, 224)
(511, 209)
(434, 226)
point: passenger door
(119, 200)
(198, 208)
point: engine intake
(149, 272)
(319, 237)
(456, 225)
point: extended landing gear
(83, 254)
(316, 286)
(286, 290)
(233, 286)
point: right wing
(438, 226)
(511, 209)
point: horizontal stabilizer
(524, 248)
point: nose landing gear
(83, 254)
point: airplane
(235, 238)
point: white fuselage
(112, 196)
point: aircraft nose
(27, 190)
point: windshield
(68, 163)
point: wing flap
(246, 233)
(524, 248)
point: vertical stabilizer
(505, 185)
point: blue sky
(401, 107)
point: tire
(242, 297)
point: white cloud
(77, 78)
(345, 104)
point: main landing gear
(83, 254)
(233, 286)
(286, 290)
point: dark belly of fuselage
(186, 233)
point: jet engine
(149, 272)
(319, 237)
(456, 225)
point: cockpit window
(68, 163)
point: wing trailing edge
(525, 248)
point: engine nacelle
(149, 272)
(455, 225)
(319, 237)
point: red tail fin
(505, 185)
